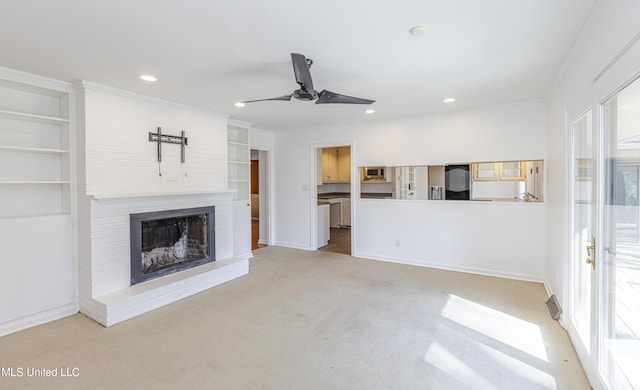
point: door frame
(316, 169)
(266, 192)
(588, 358)
(618, 77)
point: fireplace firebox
(165, 242)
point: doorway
(332, 198)
(604, 293)
(259, 199)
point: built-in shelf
(238, 159)
(36, 187)
(35, 160)
(31, 117)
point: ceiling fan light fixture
(448, 100)
(417, 31)
(240, 104)
(148, 77)
(306, 92)
(370, 111)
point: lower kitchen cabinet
(323, 232)
(340, 214)
(345, 219)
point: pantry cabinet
(336, 164)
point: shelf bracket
(159, 138)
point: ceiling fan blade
(301, 71)
(285, 97)
(325, 97)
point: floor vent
(554, 307)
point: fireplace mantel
(126, 198)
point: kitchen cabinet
(499, 171)
(534, 178)
(340, 212)
(512, 170)
(345, 217)
(485, 171)
(324, 232)
(336, 164)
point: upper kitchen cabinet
(336, 164)
(512, 170)
(496, 171)
(485, 171)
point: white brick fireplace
(105, 291)
(119, 174)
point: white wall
(514, 131)
(260, 139)
(612, 26)
(120, 159)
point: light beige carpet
(314, 320)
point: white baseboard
(449, 267)
(38, 319)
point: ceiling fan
(306, 92)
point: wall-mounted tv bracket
(159, 138)
(171, 139)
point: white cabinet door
(346, 212)
(323, 225)
(242, 228)
(336, 214)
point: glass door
(619, 308)
(583, 207)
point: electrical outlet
(397, 242)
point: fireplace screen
(170, 241)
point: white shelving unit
(34, 151)
(35, 201)
(239, 175)
(238, 157)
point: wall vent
(554, 307)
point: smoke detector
(417, 31)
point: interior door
(583, 218)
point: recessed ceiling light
(148, 77)
(239, 104)
(449, 100)
(417, 31)
(370, 111)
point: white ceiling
(211, 54)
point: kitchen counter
(330, 195)
(512, 200)
(375, 195)
(327, 197)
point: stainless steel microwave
(373, 174)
